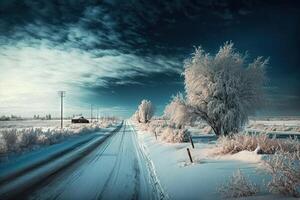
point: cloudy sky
(112, 53)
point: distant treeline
(14, 117)
(8, 118)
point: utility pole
(97, 114)
(62, 94)
(91, 113)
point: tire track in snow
(113, 171)
(154, 181)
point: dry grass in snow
(173, 135)
(164, 132)
(284, 168)
(260, 143)
(238, 186)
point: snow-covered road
(116, 169)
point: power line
(62, 94)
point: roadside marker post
(192, 142)
(189, 153)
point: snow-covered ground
(131, 164)
(33, 123)
(182, 179)
(112, 169)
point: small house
(79, 119)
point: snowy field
(27, 135)
(275, 124)
(280, 125)
(33, 123)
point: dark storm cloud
(99, 29)
(129, 26)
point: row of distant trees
(47, 117)
(14, 117)
(221, 89)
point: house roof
(78, 117)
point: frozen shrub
(238, 186)
(284, 168)
(173, 135)
(290, 145)
(261, 143)
(3, 148)
(177, 112)
(240, 142)
(103, 122)
(142, 126)
(166, 133)
(156, 126)
(136, 117)
(29, 137)
(43, 139)
(10, 138)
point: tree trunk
(225, 133)
(217, 130)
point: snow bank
(246, 156)
(181, 179)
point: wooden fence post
(192, 142)
(189, 153)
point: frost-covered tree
(136, 116)
(145, 111)
(224, 89)
(177, 112)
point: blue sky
(115, 53)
